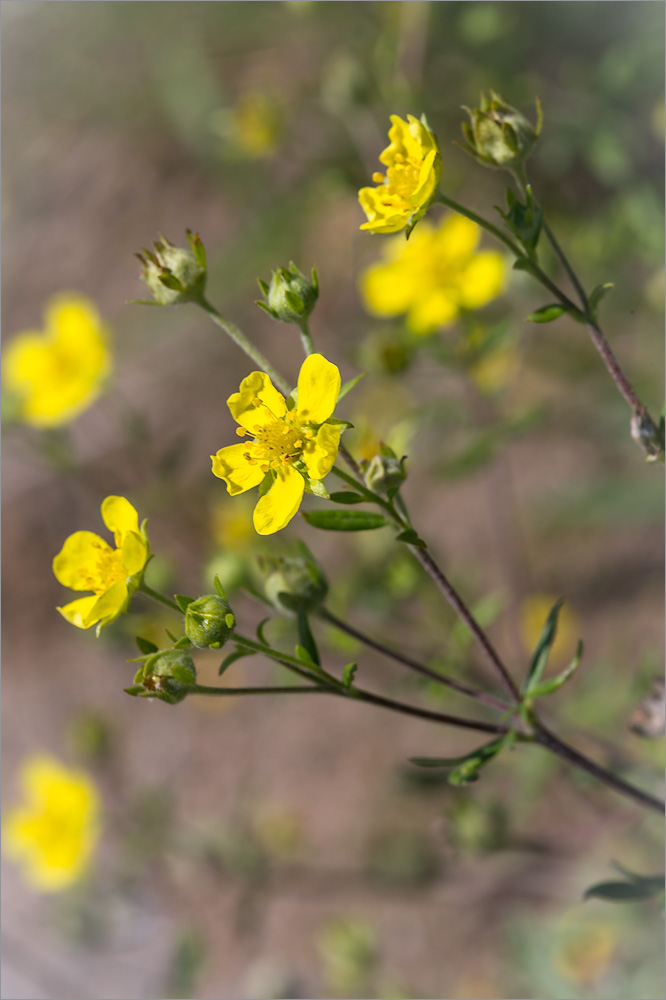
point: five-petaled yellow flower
(286, 446)
(53, 375)
(414, 168)
(53, 833)
(87, 562)
(435, 276)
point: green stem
(226, 692)
(241, 341)
(306, 338)
(143, 588)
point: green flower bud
(169, 675)
(173, 274)
(295, 582)
(291, 296)
(498, 135)
(385, 472)
(209, 622)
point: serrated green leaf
(348, 674)
(145, 646)
(306, 638)
(555, 683)
(344, 520)
(238, 654)
(546, 314)
(540, 657)
(410, 537)
(347, 497)
(183, 602)
(351, 384)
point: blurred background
(277, 848)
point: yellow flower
(54, 832)
(56, 373)
(287, 446)
(87, 562)
(414, 167)
(434, 276)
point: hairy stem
(143, 588)
(241, 341)
(306, 338)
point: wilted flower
(414, 168)
(53, 833)
(87, 562)
(53, 375)
(498, 135)
(435, 276)
(288, 448)
(174, 274)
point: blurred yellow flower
(289, 446)
(414, 168)
(56, 373)
(534, 611)
(434, 276)
(87, 562)
(231, 527)
(54, 832)
(496, 369)
(252, 128)
(584, 954)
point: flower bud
(291, 296)
(295, 583)
(498, 135)
(209, 622)
(173, 274)
(385, 472)
(169, 675)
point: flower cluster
(52, 375)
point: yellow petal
(277, 507)
(483, 279)
(76, 612)
(108, 605)
(319, 460)
(318, 389)
(257, 402)
(134, 553)
(24, 360)
(120, 517)
(456, 239)
(431, 310)
(231, 465)
(387, 289)
(78, 559)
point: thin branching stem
(157, 596)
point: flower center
(278, 443)
(104, 569)
(401, 179)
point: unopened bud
(291, 297)
(295, 583)
(498, 135)
(174, 274)
(169, 675)
(385, 472)
(209, 622)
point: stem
(420, 668)
(143, 588)
(573, 277)
(306, 338)
(241, 341)
(549, 741)
(224, 692)
(614, 369)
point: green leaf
(410, 537)
(540, 657)
(171, 635)
(138, 676)
(266, 483)
(546, 314)
(219, 589)
(344, 520)
(306, 637)
(626, 892)
(555, 683)
(170, 280)
(134, 690)
(467, 768)
(522, 265)
(183, 602)
(260, 631)
(347, 497)
(145, 646)
(182, 643)
(598, 293)
(348, 674)
(351, 384)
(316, 487)
(303, 655)
(238, 654)
(183, 674)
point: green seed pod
(209, 622)
(296, 583)
(173, 274)
(498, 135)
(291, 297)
(169, 675)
